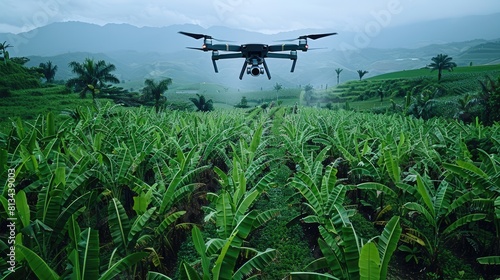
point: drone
(255, 54)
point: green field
(174, 192)
(392, 177)
(427, 73)
(364, 95)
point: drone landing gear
(215, 66)
(255, 70)
(267, 69)
(293, 65)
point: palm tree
(202, 104)
(48, 71)
(277, 88)
(361, 73)
(155, 90)
(91, 76)
(442, 62)
(4, 52)
(338, 71)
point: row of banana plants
(106, 194)
(112, 193)
(431, 177)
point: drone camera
(255, 71)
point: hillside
(365, 94)
(141, 53)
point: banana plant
(324, 198)
(83, 260)
(346, 256)
(234, 202)
(436, 207)
(484, 180)
(235, 221)
(225, 260)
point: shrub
(4, 92)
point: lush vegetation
(276, 191)
(227, 194)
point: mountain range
(151, 52)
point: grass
(364, 95)
(361, 95)
(27, 104)
(427, 73)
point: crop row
(115, 193)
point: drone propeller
(317, 36)
(200, 49)
(313, 49)
(311, 36)
(195, 36)
(199, 36)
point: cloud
(263, 15)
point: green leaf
(463, 221)
(138, 226)
(392, 166)
(157, 276)
(88, 248)
(225, 215)
(388, 243)
(118, 224)
(51, 126)
(168, 221)
(224, 265)
(334, 260)
(122, 265)
(200, 247)
(23, 210)
(141, 203)
(246, 203)
(497, 207)
(74, 257)
(424, 194)
(311, 276)
(422, 210)
(378, 187)
(188, 273)
(493, 260)
(259, 261)
(37, 264)
(351, 248)
(264, 217)
(369, 262)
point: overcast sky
(268, 16)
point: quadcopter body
(254, 54)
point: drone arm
(216, 56)
(229, 56)
(283, 47)
(226, 47)
(281, 55)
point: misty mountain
(150, 52)
(63, 37)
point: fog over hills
(146, 52)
